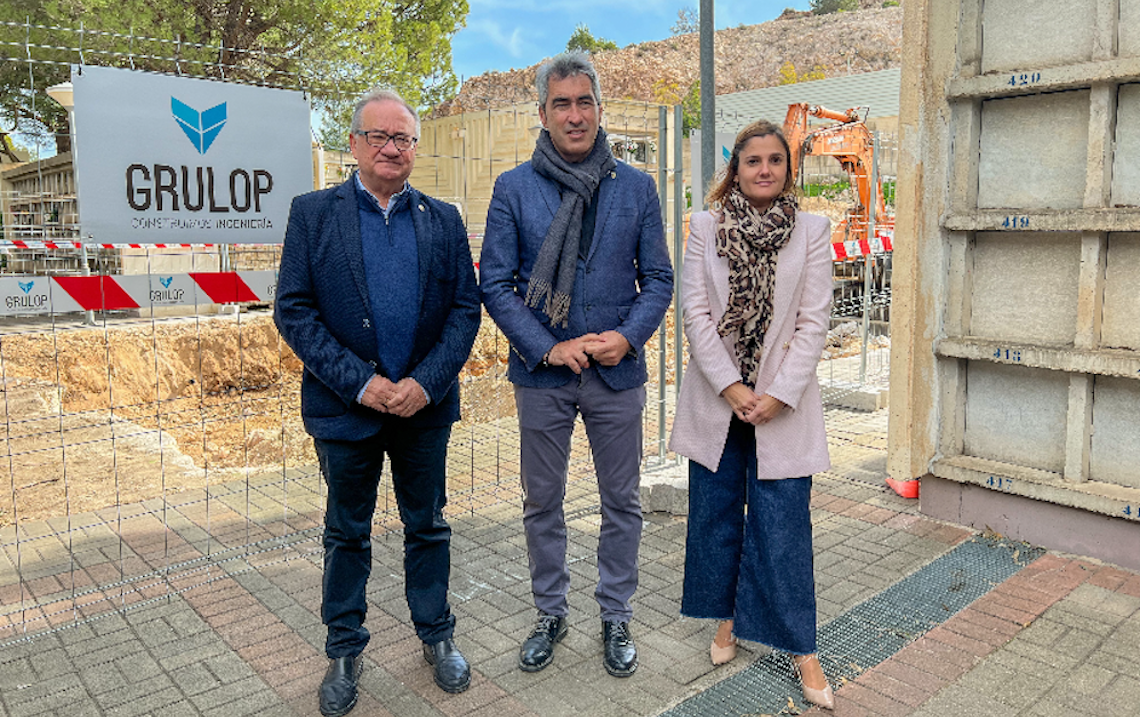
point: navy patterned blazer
(624, 284)
(323, 311)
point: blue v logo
(201, 128)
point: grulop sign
(163, 159)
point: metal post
(869, 259)
(89, 314)
(678, 243)
(662, 333)
(224, 264)
(708, 98)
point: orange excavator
(850, 142)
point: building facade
(1015, 372)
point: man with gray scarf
(576, 273)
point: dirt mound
(748, 57)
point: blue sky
(506, 34)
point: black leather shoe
(538, 650)
(338, 689)
(452, 673)
(620, 652)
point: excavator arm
(850, 142)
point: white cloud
(511, 42)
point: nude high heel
(722, 655)
(825, 698)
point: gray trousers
(613, 426)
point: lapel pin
(613, 174)
(421, 207)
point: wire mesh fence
(147, 451)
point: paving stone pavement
(239, 633)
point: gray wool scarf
(552, 277)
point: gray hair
(381, 95)
(568, 64)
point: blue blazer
(624, 284)
(323, 311)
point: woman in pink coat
(756, 293)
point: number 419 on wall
(1007, 354)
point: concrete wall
(1033, 151)
(1121, 326)
(1016, 355)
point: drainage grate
(871, 631)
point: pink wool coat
(794, 443)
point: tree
(669, 93)
(583, 41)
(691, 109)
(826, 7)
(335, 49)
(788, 74)
(33, 114)
(688, 20)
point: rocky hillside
(747, 58)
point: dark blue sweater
(391, 265)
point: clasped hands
(402, 398)
(749, 407)
(607, 348)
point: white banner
(164, 160)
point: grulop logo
(26, 300)
(201, 128)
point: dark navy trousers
(419, 479)
(748, 554)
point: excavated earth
(136, 409)
(104, 416)
(110, 415)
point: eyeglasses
(380, 139)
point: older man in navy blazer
(576, 273)
(377, 296)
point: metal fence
(146, 452)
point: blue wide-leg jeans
(419, 479)
(748, 554)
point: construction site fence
(148, 450)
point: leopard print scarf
(750, 240)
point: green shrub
(889, 193)
(827, 191)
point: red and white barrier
(62, 294)
(882, 243)
(18, 244)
